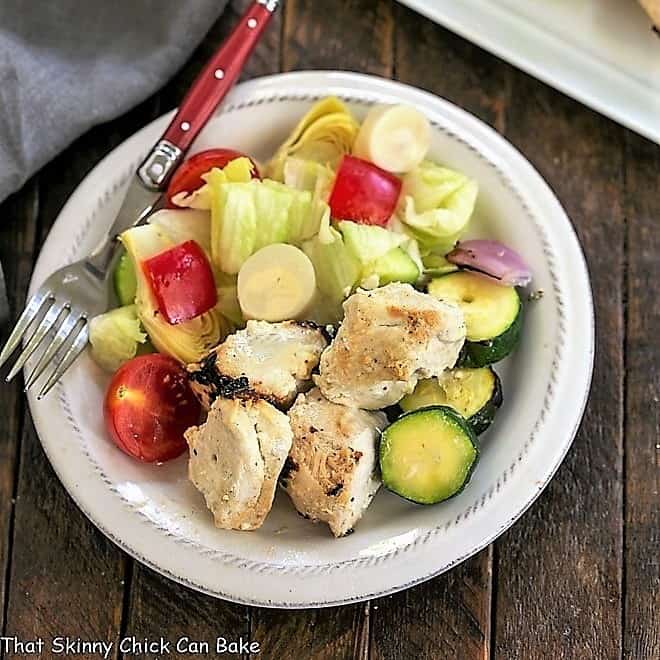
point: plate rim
(315, 79)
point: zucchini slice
(428, 455)
(476, 394)
(493, 315)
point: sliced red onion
(492, 259)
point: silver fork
(71, 296)
(74, 294)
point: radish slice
(492, 259)
(364, 193)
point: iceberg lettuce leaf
(181, 225)
(248, 216)
(238, 170)
(233, 225)
(371, 245)
(309, 175)
(229, 306)
(115, 337)
(369, 242)
(436, 206)
(336, 268)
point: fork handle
(209, 89)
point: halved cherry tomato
(188, 177)
(148, 406)
(182, 282)
(364, 193)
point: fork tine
(72, 353)
(29, 313)
(63, 333)
(47, 322)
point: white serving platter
(601, 52)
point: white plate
(601, 52)
(155, 514)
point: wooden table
(577, 577)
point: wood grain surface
(577, 577)
(641, 568)
(17, 248)
(560, 596)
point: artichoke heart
(188, 341)
(325, 134)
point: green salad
(229, 298)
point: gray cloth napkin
(66, 65)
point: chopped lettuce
(184, 225)
(358, 255)
(371, 245)
(324, 135)
(115, 336)
(395, 266)
(238, 170)
(228, 299)
(337, 269)
(310, 176)
(248, 216)
(430, 185)
(368, 242)
(191, 340)
(234, 225)
(411, 248)
(436, 206)
(278, 212)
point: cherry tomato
(364, 193)
(182, 282)
(148, 406)
(188, 177)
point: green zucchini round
(427, 456)
(475, 354)
(493, 315)
(483, 418)
(476, 394)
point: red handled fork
(62, 306)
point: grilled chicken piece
(235, 460)
(273, 361)
(331, 471)
(390, 338)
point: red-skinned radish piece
(188, 177)
(148, 406)
(364, 193)
(182, 282)
(491, 259)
